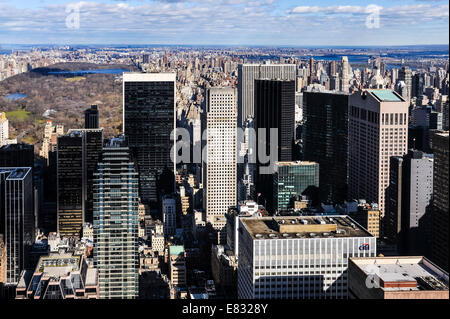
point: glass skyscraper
(291, 179)
(116, 222)
(149, 119)
(326, 141)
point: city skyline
(235, 22)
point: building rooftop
(176, 250)
(58, 265)
(386, 95)
(15, 173)
(288, 227)
(298, 163)
(404, 273)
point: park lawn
(18, 115)
(76, 79)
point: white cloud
(195, 21)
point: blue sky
(226, 22)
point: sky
(225, 22)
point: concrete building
(17, 219)
(59, 276)
(169, 213)
(4, 131)
(396, 278)
(299, 257)
(344, 80)
(409, 197)
(177, 266)
(221, 161)
(2, 260)
(247, 74)
(378, 129)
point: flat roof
(404, 269)
(289, 227)
(149, 77)
(386, 95)
(176, 250)
(15, 173)
(58, 265)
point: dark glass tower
(326, 141)
(274, 108)
(91, 117)
(149, 119)
(17, 219)
(78, 153)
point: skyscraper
(291, 179)
(148, 120)
(247, 74)
(116, 222)
(409, 194)
(345, 76)
(274, 109)
(221, 166)
(440, 212)
(78, 153)
(405, 75)
(91, 117)
(17, 219)
(378, 129)
(326, 141)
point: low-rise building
(59, 276)
(402, 277)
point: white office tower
(299, 257)
(247, 74)
(169, 213)
(221, 166)
(378, 129)
(345, 74)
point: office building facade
(78, 153)
(325, 139)
(440, 208)
(148, 120)
(378, 130)
(299, 257)
(274, 109)
(91, 118)
(221, 156)
(116, 222)
(290, 179)
(17, 219)
(247, 74)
